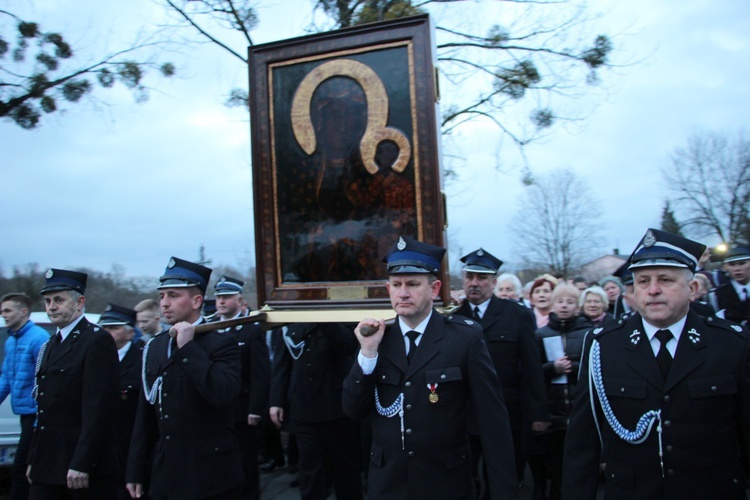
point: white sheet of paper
(553, 349)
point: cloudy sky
(109, 182)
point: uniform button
(44, 376)
(735, 480)
(216, 449)
(407, 384)
(667, 423)
(408, 431)
(622, 389)
(41, 411)
(42, 427)
(184, 361)
(442, 377)
(669, 447)
(411, 453)
(164, 395)
(408, 407)
(308, 349)
(667, 399)
(41, 394)
(166, 417)
(382, 377)
(308, 364)
(62, 370)
(714, 388)
(168, 438)
(670, 472)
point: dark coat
(704, 410)
(78, 382)
(734, 309)
(191, 433)
(561, 396)
(127, 404)
(508, 329)
(311, 385)
(434, 461)
(255, 377)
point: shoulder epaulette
(609, 326)
(463, 321)
(725, 324)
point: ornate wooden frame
(322, 216)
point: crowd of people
(637, 385)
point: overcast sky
(110, 182)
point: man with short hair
(417, 379)
(665, 392)
(508, 329)
(73, 451)
(255, 380)
(119, 322)
(733, 297)
(25, 339)
(148, 317)
(184, 421)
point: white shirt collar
(419, 328)
(675, 328)
(121, 352)
(738, 288)
(482, 307)
(65, 331)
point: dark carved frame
(414, 33)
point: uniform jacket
(435, 460)
(705, 412)
(77, 382)
(191, 431)
(311, 385)
(508, 329)
(255, 377)
(734, 309)
(127, 402)
(17, 377)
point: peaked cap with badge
(61, 279)
(228, 286)
(481, 261)
(115, 315)
(409, 256)
(738, 250)
(660, 248)
(183, 274)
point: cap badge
(108, 308)
(49, 274)
(480, 252)
(223, 279)
(401, 243)
(736, 328)
(171, 264)
(694, 336)
(649, 240)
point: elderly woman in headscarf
(541, 298)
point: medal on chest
(433, 397)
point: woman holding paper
(560, 343)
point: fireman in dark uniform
(185, 417)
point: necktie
(412, 344)
(476, 313)
(663, 358)
(744, 294)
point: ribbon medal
(433, 397)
